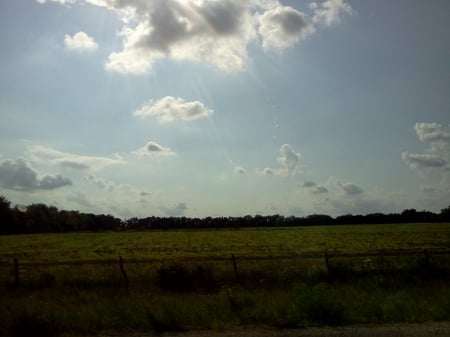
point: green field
(220, 243)
(175, 280)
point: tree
(6, 216)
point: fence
(328, 261)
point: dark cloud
(417, 160)
(18, 175)
(308, 184)
(313, 188)
(351, 189)
(177, 210)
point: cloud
(212, 32)
(177, 210)
(18, 175)
(100, 183)
(417, 160)
(267, 171)
(330, 12)
(240, 170)
(431, 132)
(69, 160)
(170, 109)
(289, 159)
(438, 155)
(350, 188)
(80, 42)
(154, 149)
(283, 26)
(62, 2)
(314, 188)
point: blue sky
(217, 108)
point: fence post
(427, 258)
(236, 276)
(327, 263)
(16, 272)
(124, 274)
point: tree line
(40, 218)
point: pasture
(177, 280)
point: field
(221, 279)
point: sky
(225, 107)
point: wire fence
(127, 270)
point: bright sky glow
(231, 107)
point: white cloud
(267, 171)
(19, 175)
(80, 42)
(330, 12)
(69, 160)
(154, 149)
(240, 170)
(438, 155)
(170, 109)
(282, 27)
(289, 159)
(62, 2)
(213, 32)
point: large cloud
(80, 42)
(216, 32)
(18, 175)
(170, 109)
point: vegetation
(39, 218)
(178, 280)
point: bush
(183, 279)
(29, 324)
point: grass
(186, 288)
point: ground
(428, 329)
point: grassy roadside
(177, 294)
(54, 309)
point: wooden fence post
(327, 263)
(124, 274)
(427, 258)
(235, 267)
(16, 272)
